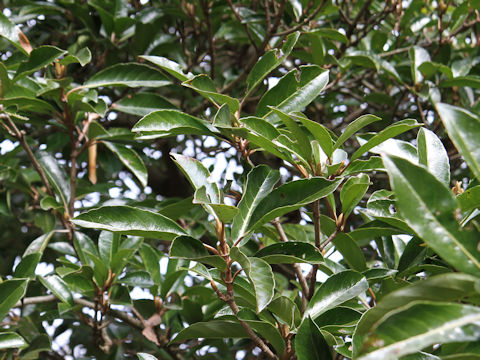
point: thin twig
(304, 22)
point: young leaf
(130, 74)
(418, 325)
(337, 289)
(129, 221)
(433, 155)
(428, 207)
(131, 160)
(260, 182)
(463, 127)
(259, 274)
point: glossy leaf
(26, 267)
(290, 94)
(260, 181)
(9, 31)
(337, 289)
(433, 155)
(260, 276)
(354, 127)
(131, 160)
(213, 329)
(290, 252)
(418, 55)
(39, 58)
(186, 247)
(58, 287)
(418, 325)
(145, 356)
(56, 176)
(309, 342)
(10, 340)
(444, 287)
(428, 207)
(350, 251)
(11, 291)
(289, 197)
(469, 199)
(269, 61)
(169, 66)
(319, 132)
(198, 176)
(39, 244)
(82, 57)
(129, 221)
(463, 127)
(353, 191)
(387, 133)
(142, 104)
(131, 75)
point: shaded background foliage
(392, 59)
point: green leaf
(259, 274)
(418, 56)
(354, 127)
(129, 221)
(83, 245)
(10, 340)
(206, 87)
(319, 132)
(145, 356)
(332, 34)
(337, 289)
(108, 246)
(39, 58)
(289, 197)
(82, 57)
(142, 104)
(9, 31)
(213, 329)
(350, 251)
(310, 343)
(137, 278)
(293, 92)
(444, 287)
(56, 176)
(58, 287)
(284, 308)
(39, 244)
(269, 61)
(387, 133)
(290, 253)
(353, 191)
(260, 182)
(186, 247)
(151, 260)
(472, 81)
(130, 74)
(163, 123)
(418, 325)
(433, 155)
(131, 160)
(428, 207)
(11, 291)
(26, 267)
(198, 176)
(469, 199)
(463, 127)
(169, 66)
(298, 134)
(374, 163)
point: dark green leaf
(39, 58)
(169, 66)
(129, 221)
(9, 31)
(463, 127)
(260, 276)
(290, 253)
(26, 267)
(350, 251)
(428, 207)
(310, 343)
(58, 287)
(142, 104)
(56, 176)
(469, 199)
(186, 247)
(354, 127)
(131, 160)
(11, 291)
(213, 329)
(10, 340)
(353, 191)
(433, 155)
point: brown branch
(240, 20)
(304, 22)
(316, 225)
(211, 45)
